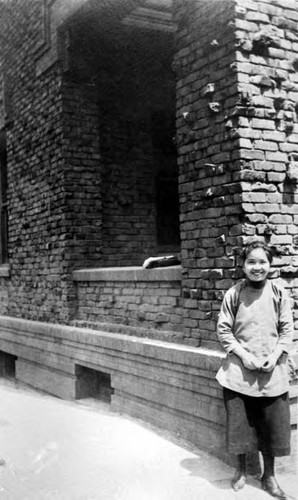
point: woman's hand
(250, 361)
(270, 362)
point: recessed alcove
(7, 365)
(93, 384)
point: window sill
(4, 270)
(172, 273)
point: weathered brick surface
(237, 158)
(205, 154)
(35, 191)
(82, 162)
(155, 307)
(273, 88)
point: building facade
(131, 129)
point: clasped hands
(253, 363)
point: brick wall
(53, 163)
(34, 137)
(267, 43)
(3, 297)
(81, 166)
(81, 184)
(237, 138)
(143, 302)
(82, 176)
(209, 195)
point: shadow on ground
(210, 471)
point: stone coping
(133, 273)
(4, 271)
(85, 339)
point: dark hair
(257, 244)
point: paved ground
(59, 450)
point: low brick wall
(172, 386)
(149, 299)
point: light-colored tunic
(260, 319)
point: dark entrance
(126, 54)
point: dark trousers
(258, 423)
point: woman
(255, 328)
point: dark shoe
(239, 480)
(272, 487)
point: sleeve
(225, 324)
(285, 326)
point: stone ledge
(167, 384)
(85, 338)
(135, 273)
(4, 271)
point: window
(3, 199)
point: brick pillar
(236, 66)
(82, 175)
(267, 67)
(82, 219)
(207, 92)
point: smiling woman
(257, 262)
(255, 328)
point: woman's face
(256, 266)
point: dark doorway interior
(131, 68)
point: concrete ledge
(93, 339)
(128, 274)
(170, 385)
(175, 382)
(47, 379)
